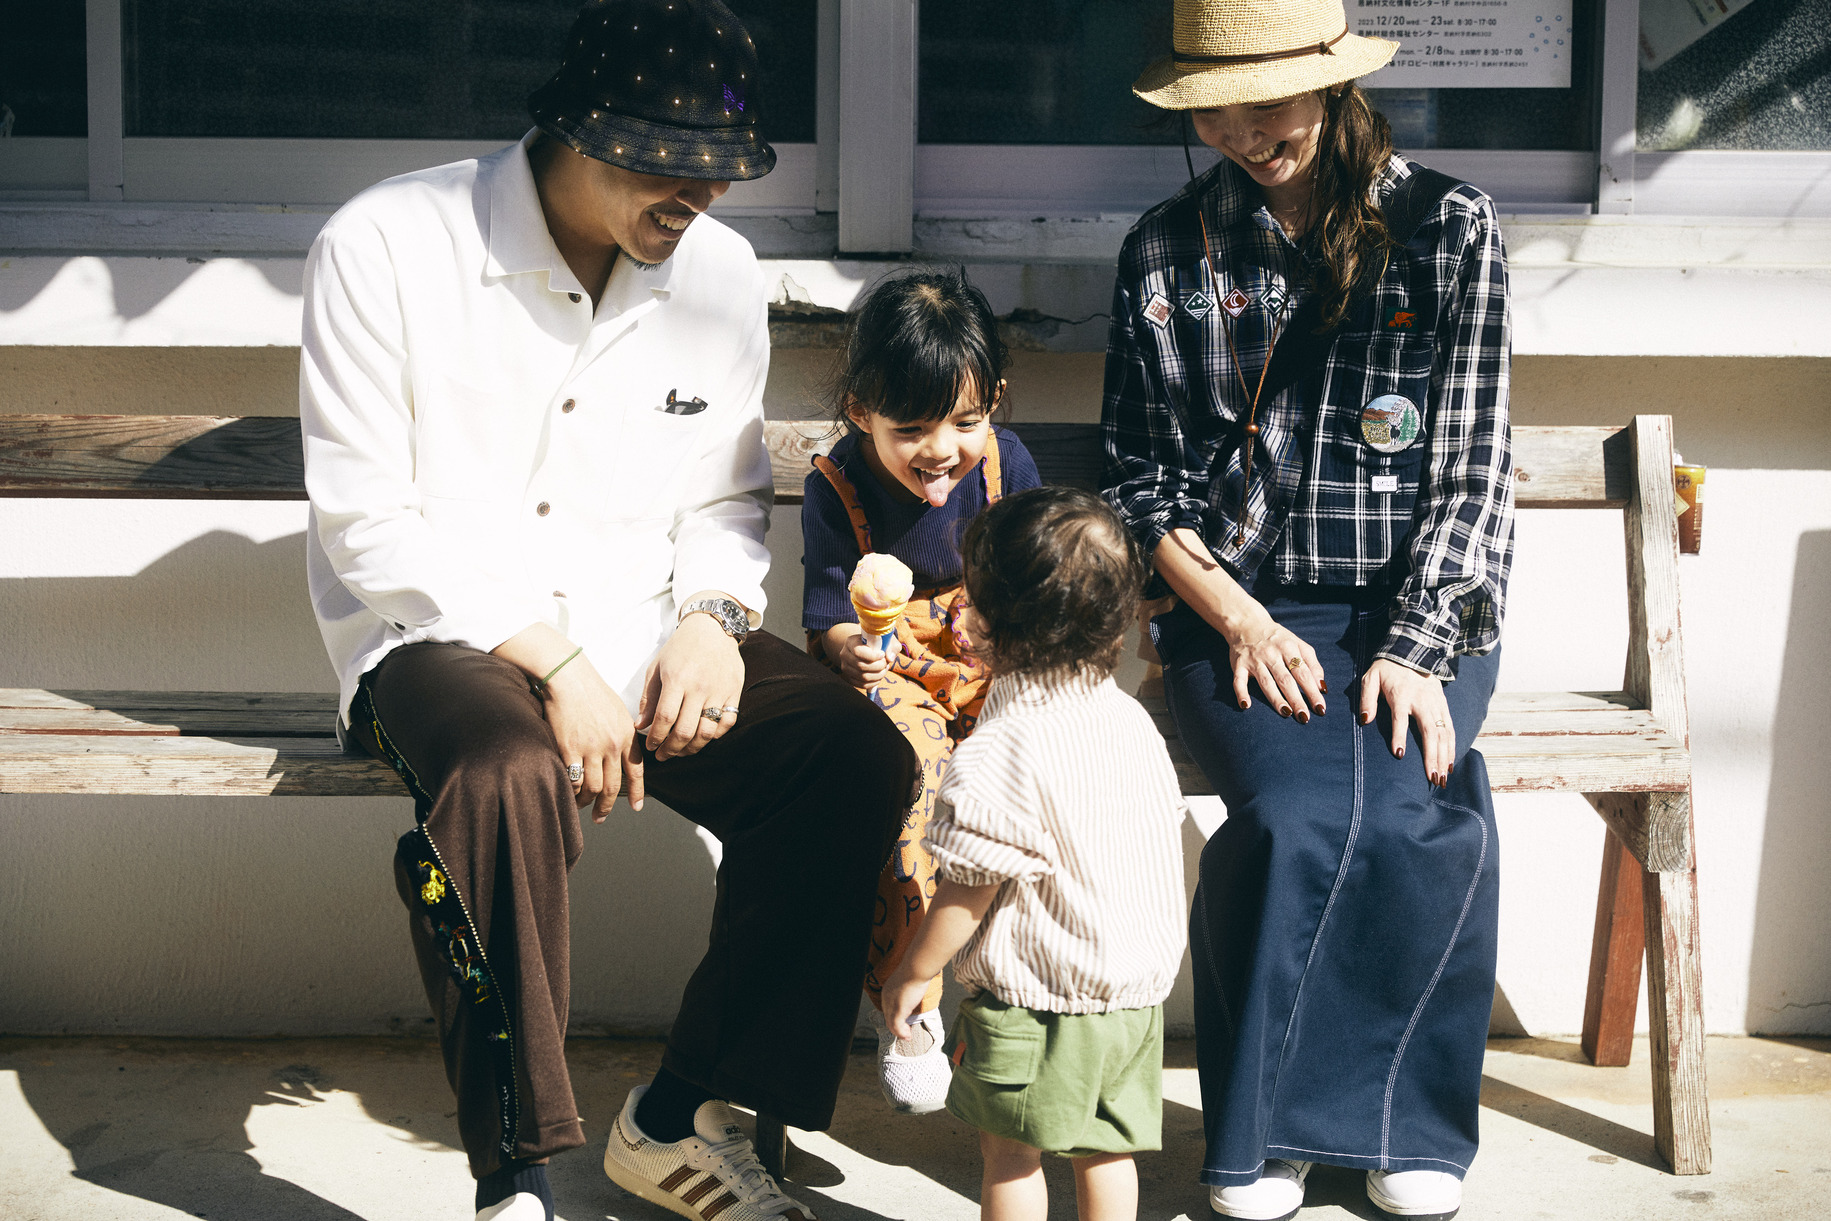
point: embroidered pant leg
(484, 880)
(806, 791)
(907, 884)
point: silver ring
(575, 772)
(731, 710)
(712, 714)
(1439, 722)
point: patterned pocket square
(679, 406)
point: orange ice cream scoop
(881, 587)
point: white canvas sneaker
(1275, 1197)
(914, 1077)
(712, 1174)
(1430, 1195)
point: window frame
(866, 166)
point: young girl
(1058, 839)
(923, 372)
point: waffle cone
(880, 622)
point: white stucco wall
(232, 916)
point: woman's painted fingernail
(1245, 704)
(1303, 718)
(1365, 719)
(1323, 687)
(1284, 709)
(1399, 753)
(1320, 710)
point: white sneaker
(1275, 1197)
(913, 1072)
(522, 1206)
(713, 1173)
(1429, 1194)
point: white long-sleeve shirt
(1066, 797)
(483, 452)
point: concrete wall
(233, 916)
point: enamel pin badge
(1273, 300)
(1199, 306)
(1389, 423)
(1235, 303)
(1158, 309)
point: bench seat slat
(197, 766)
(224, 742)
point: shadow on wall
(1789, 975)
(220, 612)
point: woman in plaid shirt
(1306, 427)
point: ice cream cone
(880, 589)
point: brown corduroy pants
(806, 791)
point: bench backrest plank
(261, 458)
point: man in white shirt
(531, 394)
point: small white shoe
(522, 1206)
(713, 1173)
(1431, 1195)
(1275, 1197)
(914, 1073)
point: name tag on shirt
(1385, 483)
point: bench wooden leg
(772, 1144)
(1614, 958)
(1681, 1115)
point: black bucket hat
(661, 87)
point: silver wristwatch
(731, 616)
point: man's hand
(860, 663)
(699, 668)
(1416, 700)
(593, 727)
(590, 723)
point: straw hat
(1232, 51)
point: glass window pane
(44, 66)
(393, 69)
(1061, 72)
(1759, 78)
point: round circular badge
(1389, 423)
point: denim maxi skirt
(1344, 927)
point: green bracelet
(561, 666)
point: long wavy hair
(1349, 233)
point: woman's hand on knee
(1416, 701)
(594, 730)
(1284, 667)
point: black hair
(1056, 578)
(916, 343)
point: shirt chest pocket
(471, 442)
(653, 462)
(1377, 420)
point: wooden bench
(1627, 751)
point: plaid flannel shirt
(1433, 522)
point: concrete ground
(335, 1129)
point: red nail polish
(1284, 710)
(1323, 687)
(1244, 705)
(1399, 753)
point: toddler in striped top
(1057, 842)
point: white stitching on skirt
(1468, 900)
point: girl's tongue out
(934, 484)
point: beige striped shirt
(1066, 796)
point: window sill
(135, 275)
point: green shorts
(1076, 1084)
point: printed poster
(1669, 26)
(1470, 44)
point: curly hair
(1055, 576)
